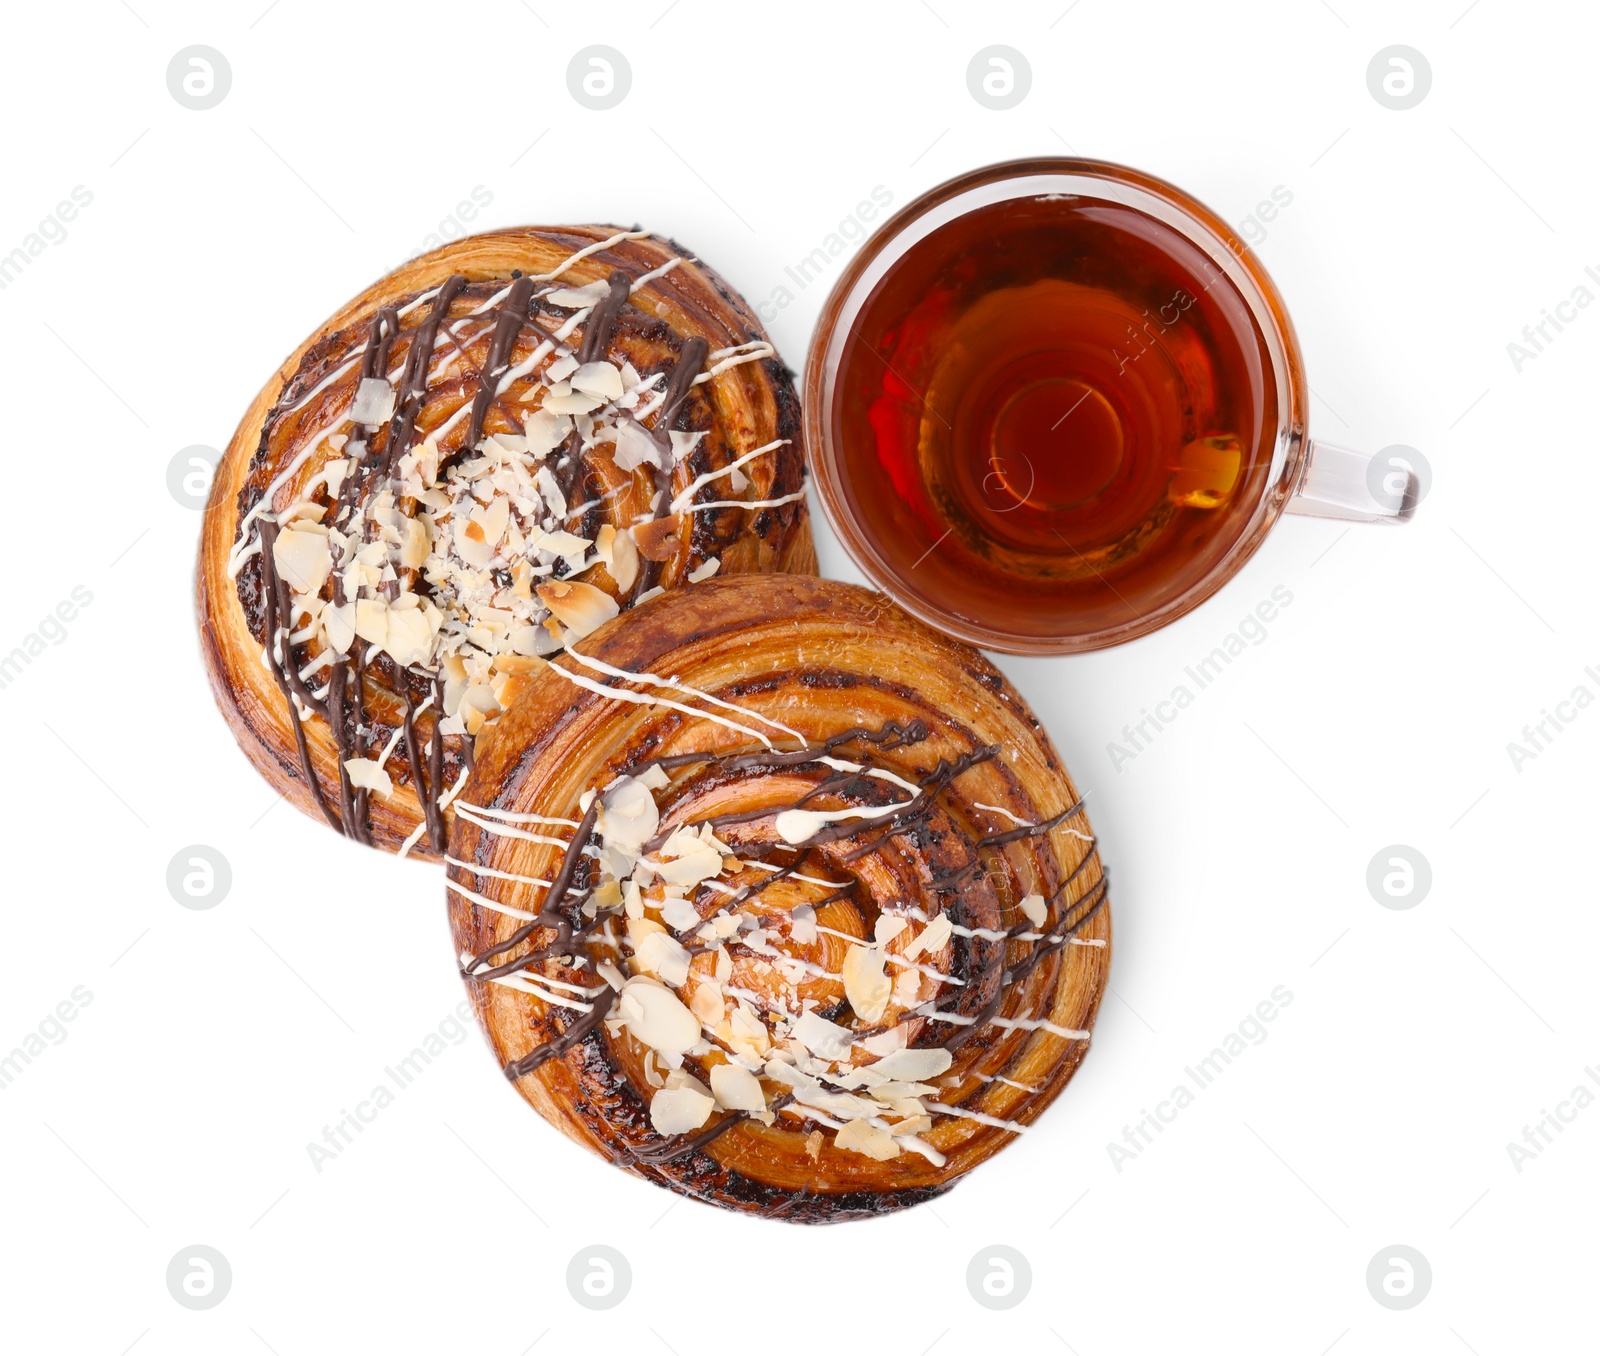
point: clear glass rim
(1029, 178)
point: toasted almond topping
(635, 447)
(374, 401)
(657, 540)
(341, 626)
(601, 379)
(1034, 909)
(624, 563)
(862, 1137)
(372, 621)
(865, 984)
(656, 1017)
(676, 1111)
(628, 815)
(579, 607)
(814, 1145)
(912, 1066)
(932, 938)
(302, 558)
(737, 1089)
(366, 773)
(707, 1004)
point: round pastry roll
(478, 460)
(771, 895)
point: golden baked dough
(770, 894)
(482, 456)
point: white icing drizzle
(587, 250)
(1001, 810)
(646, 278)
(509, 817)
(982, 1117)
(699, 483)
(1011, 1024)
(412, 839)
(747, 503)
(998, 1078)
(520, 982)
(484, 902)
(478, 870)
(507, 830)
(655, 680)
(450, 795)
(991, 934)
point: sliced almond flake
(862, 1137)
(413, 543)
(908, 987)
(1033, 909)
(683, 443)
(803, 924)
(705, 569)
(546, 430)
(657, 540)
(865, 984)
(822, 1037)
(912, 1066)
(656, 1017)
(598, 378)
(632, 899)
(340, 626)
(372, 621)
(692, 867)
(572, 402)
(409, 639)
(303, 559)
(561, 543)
(663, 955)
(628, 816)
(737, 1089)
(886, 1042)
(577, 298)
(814, 1145)
(624, 562)
(579, 607)
(677, 1111)
(493, 519)
(367, 774)
(334, 473)
(680, 914)
(707, 1002)
(888, 927)
(932, 938)
(635, 447)
(374, 401)
(551, 492)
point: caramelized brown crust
(1002, 822)
(749, 404)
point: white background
(1378, 710)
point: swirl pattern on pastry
(777, 898)
(478, 460)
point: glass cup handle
(1339, 483)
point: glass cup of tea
(1054, 404)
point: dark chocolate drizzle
(376, 453)
(567, 941)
